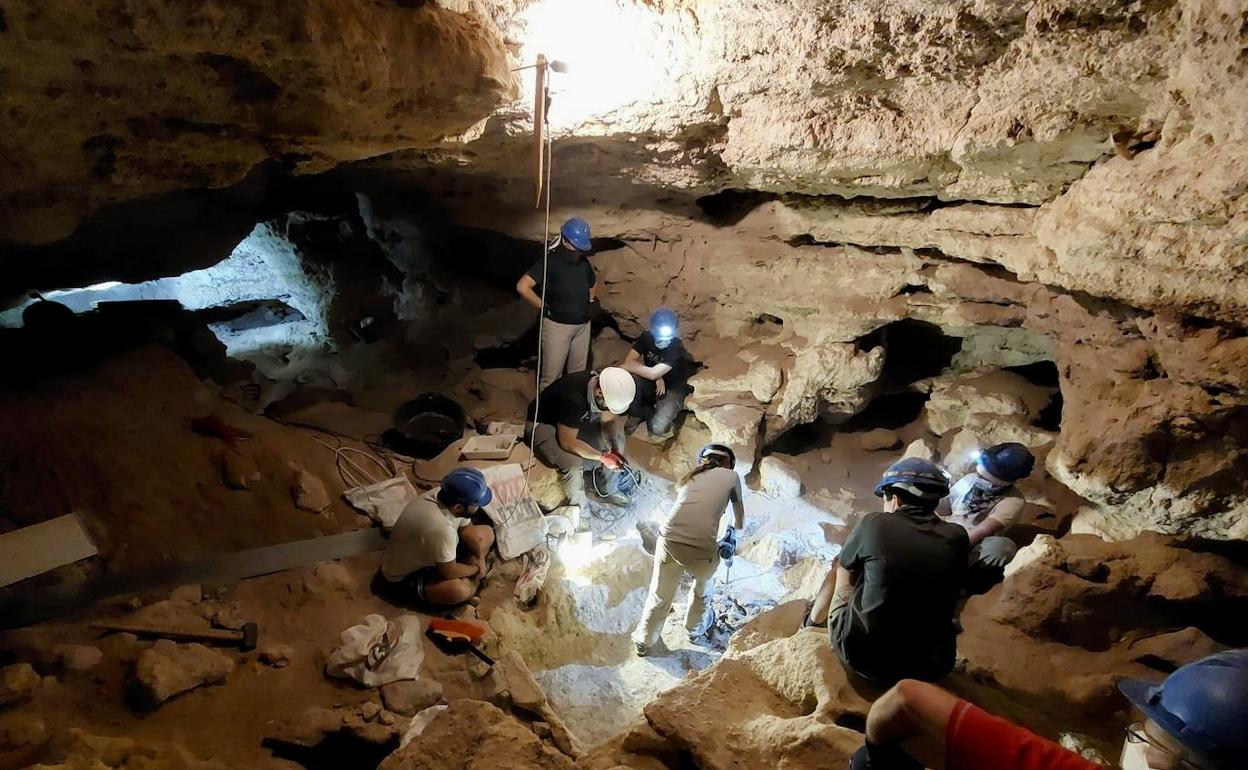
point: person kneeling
(986, 504)
(687, 543)
(436, 555)
(890, 601)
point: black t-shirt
(565, 402)
(674, 355)
(911, 568)
(569, 277)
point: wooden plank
(40, 547)
(40, 604)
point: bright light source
(614, 52)
(666, 331)
(576, 550)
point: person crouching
(687, 543)
(436, 555)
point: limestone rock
(472, 734)
(313, 725)
(167, 669)
(308, 491)
(76, 749)
(879, 438)
(1043, 551)
(21, 731)
(779, 479)
(1175, 648)
(1084, 591)
(229, 616)
(410, 696)
(787, 693)
(188, 594)
(76, 658)
(18, 683)
(239, 470)
(276, 655)
(122, 153)
(735, 425)
(953, 399)
(921, 448)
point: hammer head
(251, 635)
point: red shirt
(977, 740)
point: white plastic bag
(383, 501)
(379, 651)
(519, 525)
(420, 722)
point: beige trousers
(671, 562)
(565, 350)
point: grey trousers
(671, 562)
(666, 411)
(565, 350)
(545, 442)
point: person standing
(890, 602)
(568, 286)
(436, 555)
(659, 358)
(687, 543)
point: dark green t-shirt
(911, 567)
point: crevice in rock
(913, 350)
(342, 750)
(852, 721)
(729, 207)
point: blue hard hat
(1008, 462)
(663, 323)
(1204, 705)
(921, 478)
(576, 232)
(465, 486)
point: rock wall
(106, 101)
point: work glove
(873, 757)
(611, 461)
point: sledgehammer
(245, 639)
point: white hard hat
(618, 389)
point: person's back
(900, 623)
(694, 520)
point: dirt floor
(127, 446)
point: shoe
(642, 650)
(618, 499)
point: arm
(986, 528)
(613, 428)
(915, 714)
(453, 569)
(738, 506)
(569, 441)
(524, 287)
(632, 364)
(843, 594)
